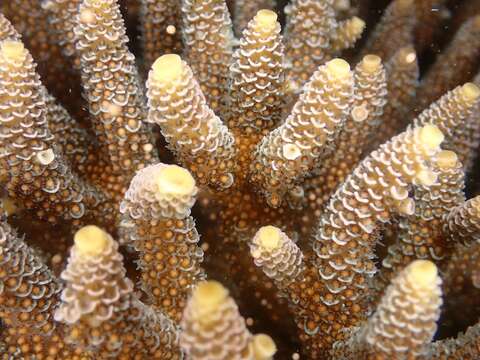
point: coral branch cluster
(250, 180)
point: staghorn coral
(111, 85)
(463, 222)
(405, 320)
(402, 82)
(161, 29)
(100, 309)
(157, 208)
(352, 142)
(208, 40)
(256, 86)
(213, 328)
(245, 10)
(197, 136)
(289, 152)
(420, 235)
(35, 170)
(29, 295)
(454, 66)
(296, 240)
(394, 30)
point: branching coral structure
(239, 180)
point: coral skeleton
(233, 179)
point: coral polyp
(239, 180)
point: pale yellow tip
(371, 63)
(338, 68)
(90, 240)
(209, 295)
(447, 159)
(470, 91)
(426, 177)
(265, 19)
(357, 25)
(87, 16)
(269, 237)
(175, 180)
(431, 136)
(167, 68)
(263, 347)
(13, 50)
(423, 273)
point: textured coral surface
(239, 179)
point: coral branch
(454, 65)
(307, 37)
(463, 222)
(195, 134)
(351, 144)
(245, 10)
(405, 320)
(348, 230)
(208, 40)
(347, 34)
(394, 30)
(421, 235)
(35, 170)
(29, 294)
(213, 328)
(288, 153)
(111, 84)
(161, 29)
(402, 82)
(100, 310)
(156, 212)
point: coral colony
(239, 180)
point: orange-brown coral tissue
(239, 179)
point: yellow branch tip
(338, 68)
(87, 16)
(175, 180)
(167, 68)
(357, 25)
(209, 295)
(423, 273)
(269, 237)
(265, 19)
(263, 347)
(13, 50)
(91, 240)
(470, 91)
(426, 177)
(447, 159)
(431, 136)
(371, 63)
